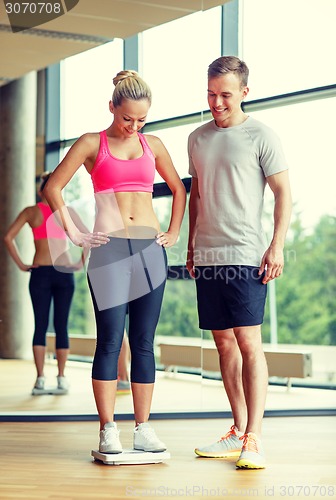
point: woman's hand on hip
(89, 240)
(166, 239)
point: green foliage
(179, 313)
(306, 292)
(81, 319)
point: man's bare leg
(231, 369)
(255, 375)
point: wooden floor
(51, 460)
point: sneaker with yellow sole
(123, 387)
(252, 454)
(229, 445)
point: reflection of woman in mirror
(128, 263)
(123, 383)
(46, 283)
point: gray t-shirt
(231, 165)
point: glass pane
(176, 139)
(176, 72)
(86, 83)
(178, 350)
(302, 300)
(305, 294)
(79, 194)
(176, 254)
(288, 45)
(309, 150)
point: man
(231, 159)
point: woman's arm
(80, 153)
(166, 169)
(9, 239)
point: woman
(127, 267)
(46, 284)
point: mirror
(178, 84)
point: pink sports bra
(50, 229)
(115, 175)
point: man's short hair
(229, 64)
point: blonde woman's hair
(229, 64)
(129, 85)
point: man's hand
(272, 263)
(190, 263)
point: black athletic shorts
(229, 296)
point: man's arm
(273, 260)
(193, 211)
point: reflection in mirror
(178, 350)
(286, 331)
(178, 338)
(312, 229)
(302, 316)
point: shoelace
(249, 443)
(231, 432)
(148, 432)
(111, 430)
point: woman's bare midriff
(126, 215)
(51, 252)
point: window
(288, 45)
(86, 86)
(175, 140)
(175, 59)
(306, 132)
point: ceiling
(88, 24)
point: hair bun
(129, 85)
(122, 75)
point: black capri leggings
(126, 275)
(46, 284)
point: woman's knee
(39, 338)
(62, 342)
(143, 370)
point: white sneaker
(109, 439)
(145, 439)
(62, 384)
(39, 386)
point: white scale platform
(52, 391)
(130, 457)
